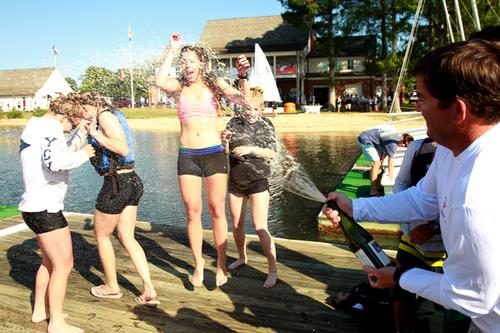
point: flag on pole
(262, 76)
(54, 49)
(129, 33)
(310, 40)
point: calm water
(324, 157)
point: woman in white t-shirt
(46, 158)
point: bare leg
(216, 196)
(104, 225)
(404, 315)
(40, 308)
(191, 195)
(237, 206)
(126, 227)
(260, 206)
(56, 247)
(374, 178)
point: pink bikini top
(205, 107)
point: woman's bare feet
(198, 274)
(63, 327)
(220, 277)
(272, 277)
(38, 317)
(237, 263)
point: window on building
(286, 65)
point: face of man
(440, 122)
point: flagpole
(131, 64)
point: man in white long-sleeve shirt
(459, 97)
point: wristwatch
(243, 77)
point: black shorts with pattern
(129, 190)
(42, 222)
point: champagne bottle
(361, 243)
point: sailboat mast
(459, 19)
(448, 23)
(406, 59)
(475, 14)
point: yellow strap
(433, 259)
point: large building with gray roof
(301, 75)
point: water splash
(288, 175)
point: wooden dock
(309, 272)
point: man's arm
(413, 205)
(471, 281)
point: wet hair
(256, 97)
(91, 98)
(469, 70)
(65, 105)
(207, 75)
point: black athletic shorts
(42, 222)
(204, 162)
(128, 193)
(408, 260)
(257, 186)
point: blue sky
(94, 32)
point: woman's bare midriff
(199, 133)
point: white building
(30, 88)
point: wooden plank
(309, 272)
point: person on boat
(421, 245)
(251, 141)
(459, 98)
(46, 158)
(117, 202)
(201, 153)
(376, 144)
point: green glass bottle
(361, 243)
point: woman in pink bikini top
(201, 153)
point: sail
(262, 76)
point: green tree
(389, 21)
(318, 16)
(72, 83)
(116, 84)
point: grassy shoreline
(165, 119)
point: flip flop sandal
(150, 303)
(99, 293)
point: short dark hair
(469, 70)
(406, 139)
(491, 34)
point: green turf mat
(8, 211)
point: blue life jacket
(107, 162)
